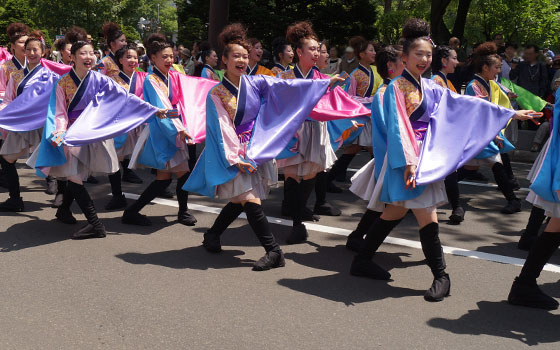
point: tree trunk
(219, 13)
(387, 6)
(461, 20)
(440, 33)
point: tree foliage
(55, 16)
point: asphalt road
(157, 288)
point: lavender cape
(104, 110)
(460, 128)
(28, 110)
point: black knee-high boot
(63, 213)
(452, 189)
(212, 237)
(514, 205)
(257, 220)
(183, 216)
(509, 171)
(356, 238)
(128, 175)
(524, 290)
(363, 265)
(192, 156)
(3, 181)
(94, 227)
(15, 202)
(118, 201)
(338, 171)
(433, 251)
(322, 207)
(132, 214)
(299, 203)
(532, 229)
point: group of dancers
(72, 121)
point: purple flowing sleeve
(460, 128)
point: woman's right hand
(335, 79)
(185, 137)
(410, 177)
(57, 138)
(523, 114)
(245, 167)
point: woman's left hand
(185, 137)
(410, 177)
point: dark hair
(111, 31)
(440, 52)
(414, 30)
(60, 44)
(205, 54)
(155, 43)
(279, 44)
(484, 54)
(122, 51)
(532, 46)
(495, 35)
(253, 41)
(359, 44)
(16, 31)
(233, 34)
(38, 36)
(299, 31)
(388, 54)
(75, 34)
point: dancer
(283, 55)
(409, 103)
(361, 85)
(544, 194)
(444, 63)
(163, 144)
(314, 152)
(72, 94)
(64, 47)
(210, 61)
(21, 140)
(322, 207)
(255, 55)
(487, 65)
(389, 66)
(111, 67)
(245, 133)
(17, 34)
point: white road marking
(343, 232)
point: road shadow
(195, 258)
(34, 233)
(347, 289)
(499, 319)
(338, 259)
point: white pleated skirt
(128, 147)
(20, 145)
(178, 163)
(551, 209)
(363, 186)
(96, 158)
(246, 186)
(490, 161)
(365, 137)
(315, 152)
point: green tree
(14, 11)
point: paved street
(157, 288)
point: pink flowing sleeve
(408, 137)
(61, 114)
(3, 81)
(10, 94)
(232, 147)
